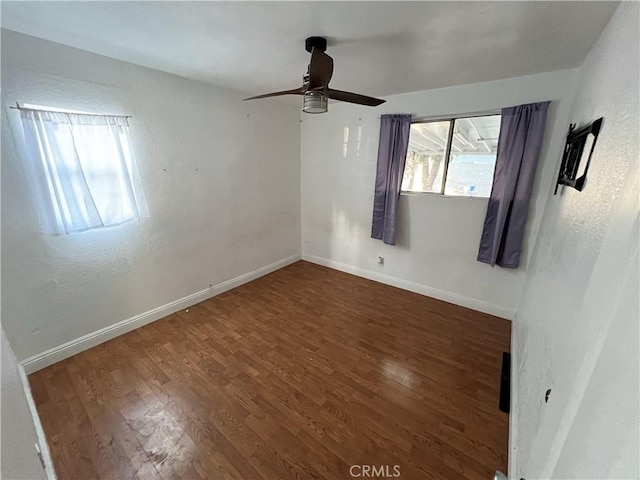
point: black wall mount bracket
(577, 139)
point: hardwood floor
(299, 374)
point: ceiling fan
(315, 87)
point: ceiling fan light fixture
(315, 102)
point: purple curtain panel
(392, 153)
(519, 145)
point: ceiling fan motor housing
(318, 42)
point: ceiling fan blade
(320, 69)
(295, 91)
(353, 98)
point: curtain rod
(20, 107)
(435, 118)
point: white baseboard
(68, 349)
(42, 439)
(443, 295)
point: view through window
(452, 157)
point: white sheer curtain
(84, 170)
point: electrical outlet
(381, 261)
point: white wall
(577, 328)
(437, 241)
(17, 434)
(221, 177)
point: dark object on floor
(505, 382)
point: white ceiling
(379, 48)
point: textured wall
(17, 433)
(438, 237)
(576, 330)
(221, 177)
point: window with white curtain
(84, 170)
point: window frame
(451, 119)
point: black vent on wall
(505, 383)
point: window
(83, 169)
(452, 157)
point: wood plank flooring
(297, 375)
